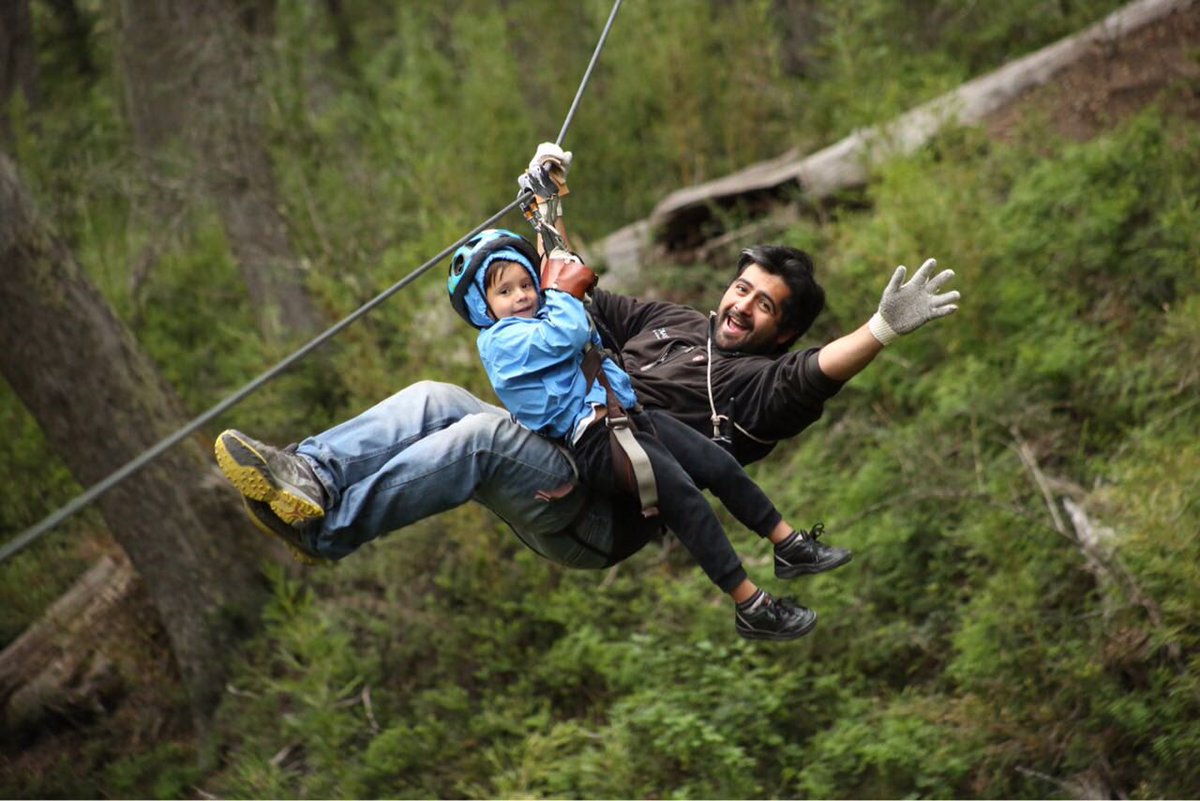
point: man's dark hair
(795, 267)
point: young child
(532, 346)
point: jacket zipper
(670, 352)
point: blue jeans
(432, 447)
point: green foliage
(975, 646)
(923, 48)
(1072, 350)
(901, 748)
(168, 770)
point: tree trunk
(100, 402)
(76, 29)
(192, 91)
(800, 30)
(18, 59)
(343, 34)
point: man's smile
(736, 324)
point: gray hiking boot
(283, 480)
(266, 521)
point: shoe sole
(771, 636)
(810, 570)
(249, 473)
(299, 554)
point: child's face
(510, 291)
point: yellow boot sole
(247, 470)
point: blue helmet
(469, 266)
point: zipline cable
(30, 535)
(587, 74)
(95, 491)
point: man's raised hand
(905, 307)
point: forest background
(1019, 482)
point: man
(432, 446)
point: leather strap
(563, 270)
(630, 461)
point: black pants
(685, 463)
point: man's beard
(731, 340)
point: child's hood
(477, 294)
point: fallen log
(679, 221)
(63, 666)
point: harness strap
(633, 465)
(630, 461)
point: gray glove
(905, 307)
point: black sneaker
(801, 554)
(273, 476)
(266, 521)
(775, 619)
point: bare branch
(366, 702)
(1031, 465)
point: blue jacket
(535, 367)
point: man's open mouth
(734, 325)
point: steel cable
(32, 534)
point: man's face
(750, 316)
